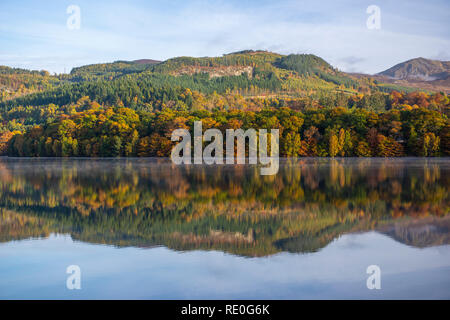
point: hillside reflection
(148, 202)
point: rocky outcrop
(215, 72)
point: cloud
(444, 56)
(351, 63)
(351, 60)
(160, 30)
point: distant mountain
(419, 69)
(146, 61)
(420, 73)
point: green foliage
(303, 64)
(128, 108)
(120, 131)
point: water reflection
(150, 202)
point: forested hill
(127, 108)
(249, 73)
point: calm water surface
(147, 229)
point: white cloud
(160, 31)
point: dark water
(149, 229)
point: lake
(149, 229)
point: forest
(125, 109)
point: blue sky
(34, 34)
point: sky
(36, 269)
(36, 35)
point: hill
(16, 82)
(248, 73)
(425, 74)
(419, 69)
(128, 108)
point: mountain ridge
(419, 69)
(252, 73)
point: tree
(445, 140)
(388, 147)
(5, 137)
(291, 145)
(363, 149)
(66, 147)
(429, 145)
(333, 145)
(116, 146)
(372, 140)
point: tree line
(94, 130)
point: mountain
(420, 73)
(128, 108)
(250, 73)
(146, 61)
(419, 69)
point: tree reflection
(146, 202)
